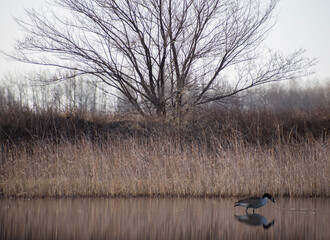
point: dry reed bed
(165, 168)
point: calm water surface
(150, 218)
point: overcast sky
(301, 24)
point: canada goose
(254, 202)
(255, 220)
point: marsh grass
(46, 152)
(160, 167)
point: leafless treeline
(71, 96)
(77, 95)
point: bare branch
(161, 55)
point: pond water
(152, 218)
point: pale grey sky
(301, 24)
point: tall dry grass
(162, 167)
(49, 152)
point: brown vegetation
(212, 152)
(164, 168)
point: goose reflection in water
(255, 220)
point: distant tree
(162, 56)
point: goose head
(266, 195)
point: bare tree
(161, 55)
